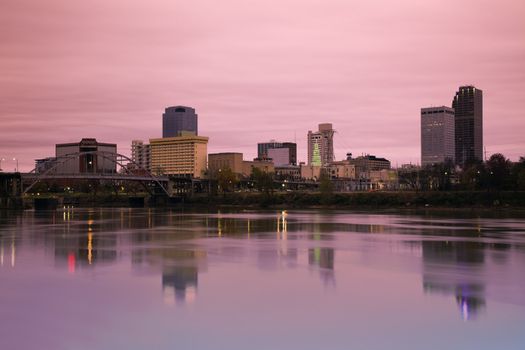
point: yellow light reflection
(90, 248)
(282, 225)
(219, 223)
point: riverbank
(295, 200)
(368, 199)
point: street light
(1, 160)
(16, 159)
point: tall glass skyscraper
(468, 106)
(178, 120)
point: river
(171, 279)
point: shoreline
(464, 201)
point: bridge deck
(84, 176)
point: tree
(326, 187)
(518, 174)
(226, 180)
(263, 180)
(473, 176)
(498, 171)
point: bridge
(57, 170)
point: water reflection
(461, 259)
(324, 259)
(456, 268)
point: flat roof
(179, 139)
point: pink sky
(256, 70)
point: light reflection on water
(258, 270)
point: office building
(234, 161)
(179, 121)
(141, 155)
(279, 156)
(468, 107)
(87, 156)
(226, 160)
(341, 169)
(321, 145)
(183, 156)
(365, 164)
(264, 150)
(437, 135)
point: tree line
(497, 173)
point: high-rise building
(468, 106)
(263, 151)
(182, 156)
(321, 145)
(437, 135)
(141, 154)
(179, 120)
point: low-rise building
(248, 166)
(234, 161)
(310, 172)
(341, 170)
(86, 156)
(367, 163)
(288, 172)
(384, 179)
(225, 160)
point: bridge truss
(138, 173)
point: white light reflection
(13, 253)
(282, 225)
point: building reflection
(8, 251)
(179, 267)
(323, 258)
(180, 281)
(456, 268)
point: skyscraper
(179, 120)
(437, 135)
(468, 106)
(321, 145)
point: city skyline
(75, 70)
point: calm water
(151, 279)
